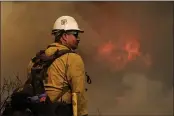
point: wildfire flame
(106, 49)
(121, 55)
(132, 48)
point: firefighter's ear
(64, 37)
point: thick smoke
(136, 89)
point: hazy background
(137, 88)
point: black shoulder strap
(42, 58)
(58, 54)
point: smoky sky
(26, 29)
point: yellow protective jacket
(72, 65)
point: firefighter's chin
(74, 46)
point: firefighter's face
(71, 39)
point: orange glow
(106, 48)
(118, 55)
(132, 48)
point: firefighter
(66, 75)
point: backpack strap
(39, 69)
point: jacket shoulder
(70, 58)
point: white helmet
(66, 23)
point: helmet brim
(80, 31)
(59, 30)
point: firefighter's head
(66, 31)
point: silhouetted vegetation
(7, 87)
